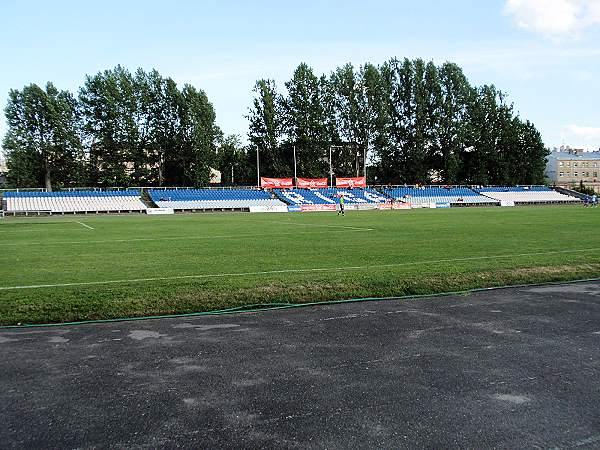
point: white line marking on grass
(172, 238)
(36, 230)
(22, 227)
(274, 272)
(316, 225)
(84, 225)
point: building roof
(564, 156)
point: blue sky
(544, 53)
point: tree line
(408, 121)
(414, 122)
(123, 129)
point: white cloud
(586, 134)
(557, 19)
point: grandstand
(438, 195)
(325, 196)
(526, 194)
(259, 200)
(214, 199)
(73, 202)
(304, 197)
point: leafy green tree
(42, 144)
(198, 137)
(480, 155)
(265, 133)
(374, 112)
(457, 96)
(397, 156)
(161, 102)
(232, 161)
(347, 100)
(108, 125)
(306, 122)
(523, 153)
(141, 129)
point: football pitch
(89, 267)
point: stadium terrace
(276, 199)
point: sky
(545, 54)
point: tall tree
(42, 144)
(266, 128)
(198, 137)
(143, 130)
(396, 158)
(457, 96)
(374, 112)
(161, 103)
(306, 122)
(232, 161)
(534, 153)
(347, 97)
(491, 138)
(108, 104)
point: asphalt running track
(508, 368)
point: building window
(595, 164)
(574, 174)
(561, 164)
(595, 174)
(575, 164)
(568, 164)
(561, 174)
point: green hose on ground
(275, 306)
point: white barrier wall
(160, 211)
(268, 208)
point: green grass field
(55, 269)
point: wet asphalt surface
(513, 368)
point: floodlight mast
(257, 168)
(330, 163)
(330, 168)
(295, 173)
(365, 161)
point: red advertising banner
(312, 183)
(351, 182)
(276, 183)
(306, 208)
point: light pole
(257, 168)
(330, 164)
(365, 161)
(295, 174)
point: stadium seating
(327, 196)
(213, 199)
(526, 194)
(432, 194)
(74, 202)
(303, 197)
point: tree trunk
(47, 178)
(160, 169)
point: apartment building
(567, 166)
